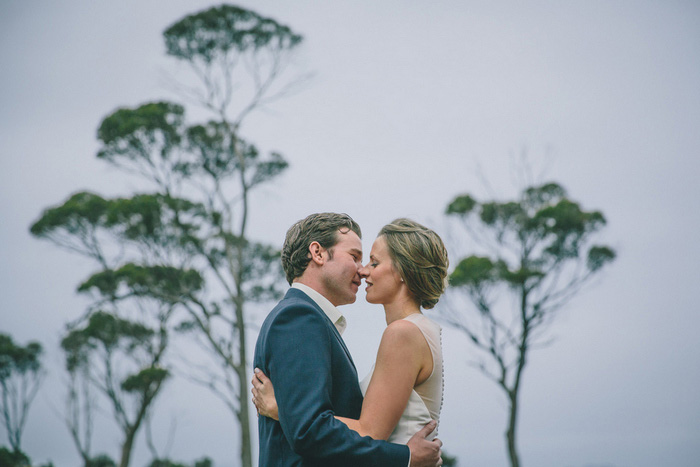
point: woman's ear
(316, 251)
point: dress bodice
(425, 401)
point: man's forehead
(350, 240)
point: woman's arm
(403, 361)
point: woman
(407, 271)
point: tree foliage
(21, 375)
(178, 255)
(13, 458)
(122, 359)
(229, 48)
(540, 251)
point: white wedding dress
(426, 398)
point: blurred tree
(122, 359)
(184, 246)
(448, 461)
(93, 226)
(21, 375)
(13, 458)
(204, 462)
(540, 252)
(165, 463)
(102, 460)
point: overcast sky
(412, 103)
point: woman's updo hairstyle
(420, 258)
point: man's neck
(314, 285)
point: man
(302, 352)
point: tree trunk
(510, 433)
(126, 448)
(243, 413)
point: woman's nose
(364, 271)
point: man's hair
(322, 228)
(420, 258)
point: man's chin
(349, 300)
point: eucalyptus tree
(192, 220)
(114, 233)
(122, 359)
(540, 253)
(134, 299)
(21, 375)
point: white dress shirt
(328, 308)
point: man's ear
(316, 251)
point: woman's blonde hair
(420, 258)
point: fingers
(439, 441)
(257, 410)
(428, 428)
(262, 377)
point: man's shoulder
(294, 303)
(295, 298)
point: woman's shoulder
(402, 327)
(423, 322)
(402, 333)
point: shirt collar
(331, 311)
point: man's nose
(363, 271)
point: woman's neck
(400, 309)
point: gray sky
(412, 103)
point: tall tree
(195, 217)
(114, 233)
(540, 252)
(122, 359)
(238, 57)
(21, 375)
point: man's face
(340, 275)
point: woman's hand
(264, 395)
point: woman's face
(382, 280)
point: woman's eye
(374, 265)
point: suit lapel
(296, 293)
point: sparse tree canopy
(539, 250)
(179, 255)
(100, 349)
(229, 49)
(21, 375)
(224, 30)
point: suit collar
(298, 293)
(326, 306)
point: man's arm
(298, 353)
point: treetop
(221, 29)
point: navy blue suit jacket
(314, 377)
